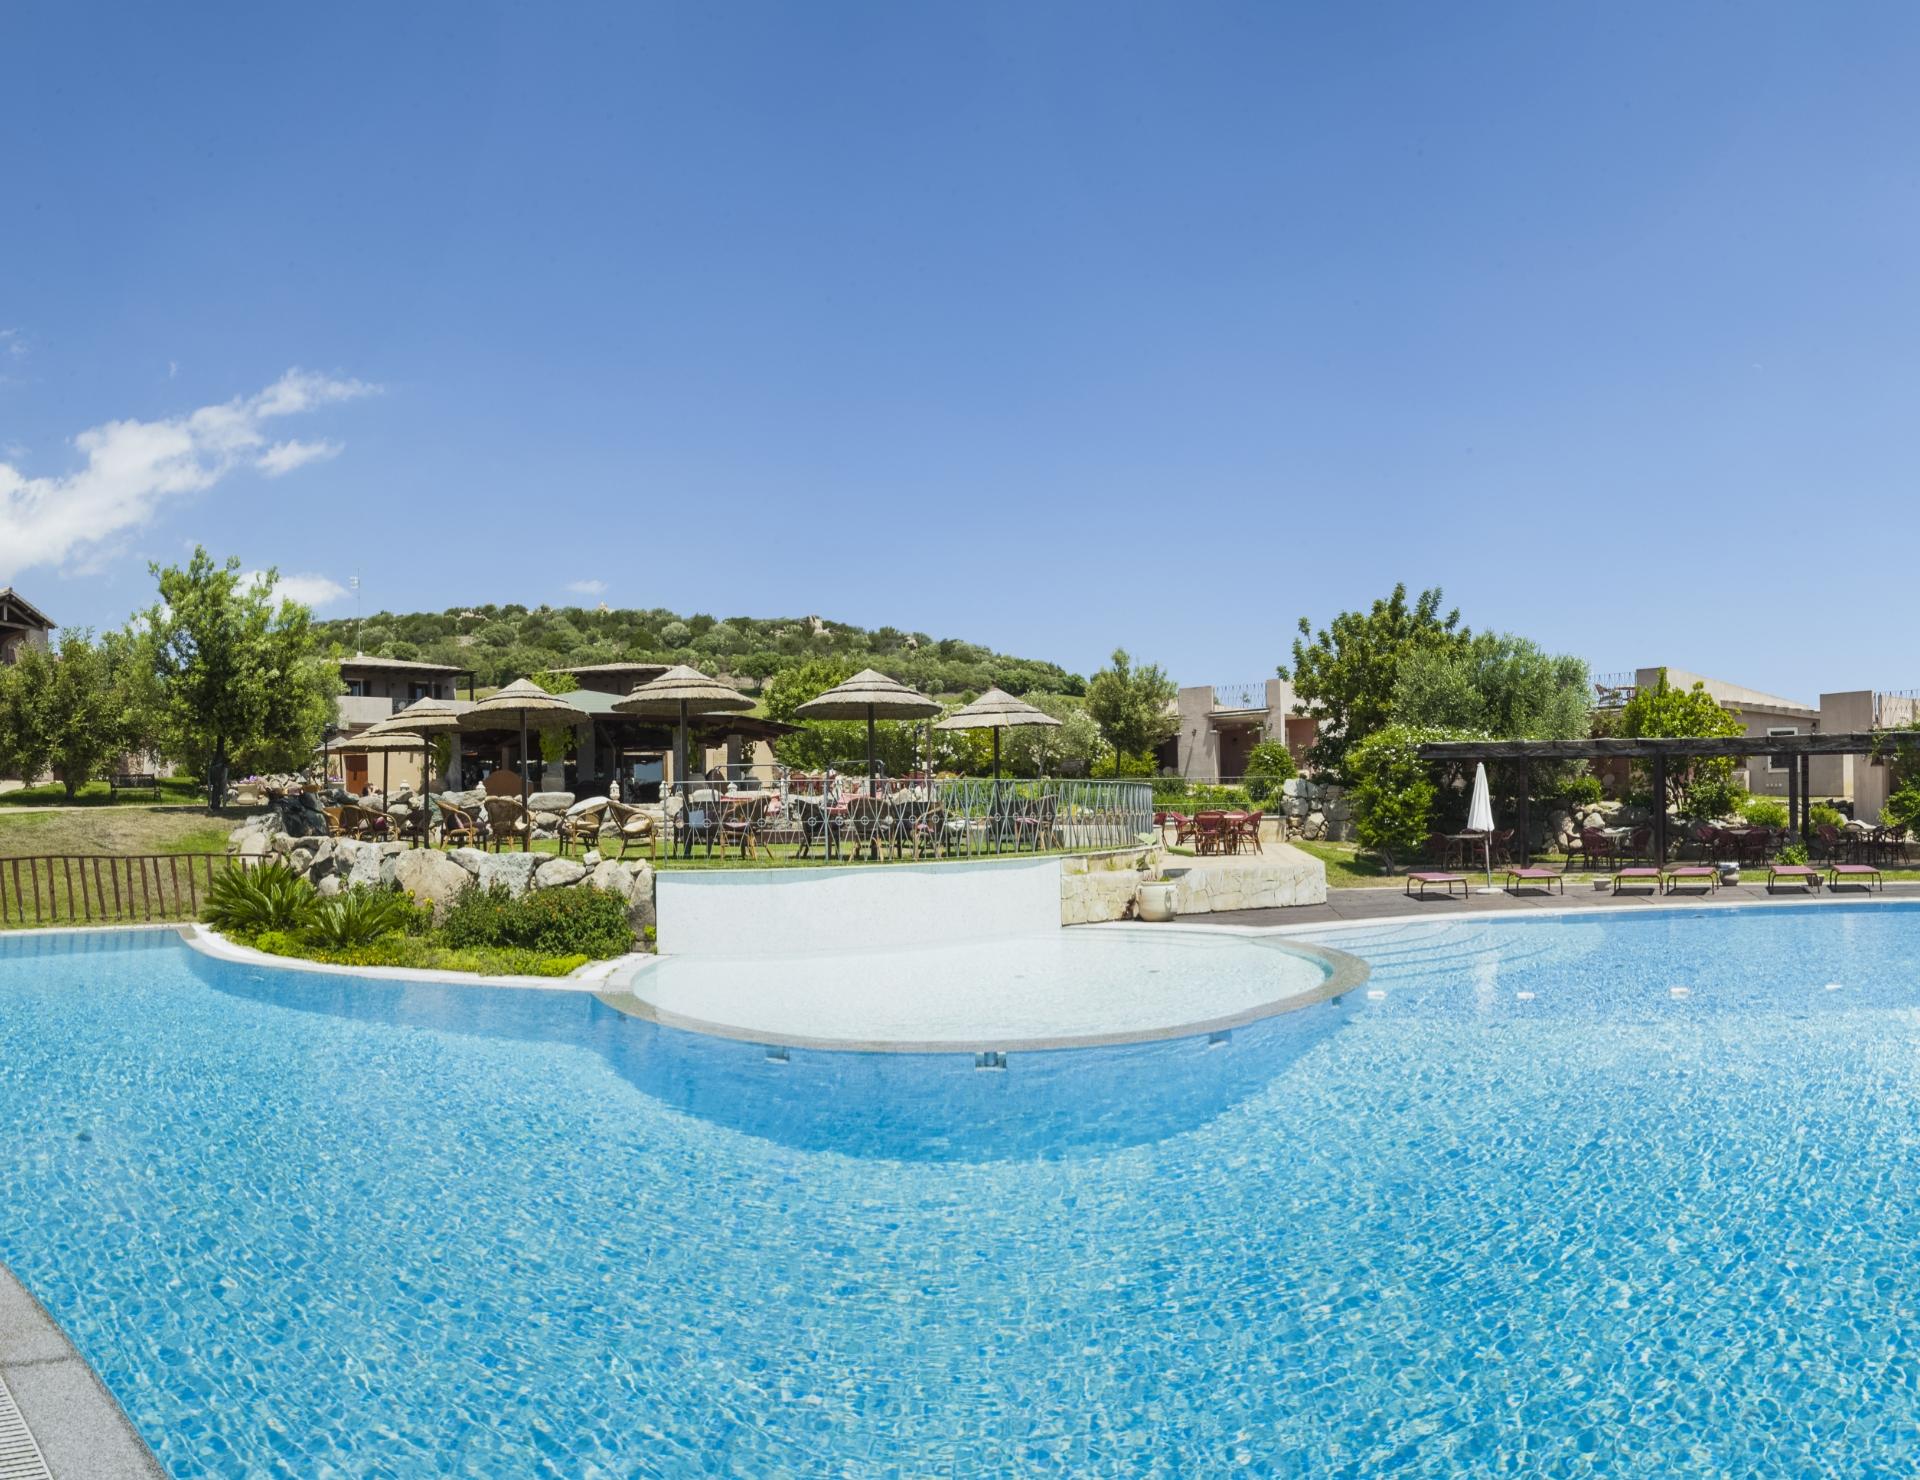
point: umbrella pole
(526, 813)
(682, 764)
(386, 789)
(996, 752)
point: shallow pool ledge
(81, 1431)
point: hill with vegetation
(500, 643)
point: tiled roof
(398, 665)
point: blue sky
(1053, 326)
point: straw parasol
(525, 701)
(428, 717)
(679, 693)
(870, 695)
(383, 745)
(996, 710)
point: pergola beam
(1867, 742)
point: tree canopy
(76, 711)
(241, 676)
(1344, 676)
(1700, 788)
(1129, 705)
(504, 642)
(1497, 684)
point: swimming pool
(1529, 1209)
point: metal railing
(1240, 695)
(806, 819)
(109, 889)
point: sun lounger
(1533, 874)
(1428, 881)
(1804, 875)
(1863, 874)
(1641, 874)
(1693, 873)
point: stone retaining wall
(432, 877)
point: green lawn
(118, 830)
(173, 791)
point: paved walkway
(1393, 903)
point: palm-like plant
(251, 901)
(357, 918)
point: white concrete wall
(760, 912)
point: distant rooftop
(17, 611)
(398, 665)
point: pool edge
(82, 1431)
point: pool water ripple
(325, 1230)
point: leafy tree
(62, 711)
(1703, 788)
(1344, 675)
(1393, 792)
(1076, 748)
(1499, 684)
(241, 678)
(1269, 764)
(1130, 706)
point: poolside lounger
(1545, 878)
(1863, 874)
(1802, 874)
(1436, 881)
(1693, 873)
(1641, 874)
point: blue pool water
(312, 1227)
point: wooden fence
(108, 889)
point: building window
(357, 687)
(418, 691)
(1778, 763)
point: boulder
(329, 886)
(431, 878)
(558, 873)
(389, 857)
(248, 839)
(469, 859)
(356, 863)
(549, 801)
(514, 870)
(640, 911)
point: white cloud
(586, 588)
(311, 590)
(132, 468)
(14, 343)
(284, 457)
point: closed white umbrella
(1480, 816)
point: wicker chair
(458, 825)
(508, 821)
(362, 823)
(582, 827)
(632, 826)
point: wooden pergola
(1797, 751)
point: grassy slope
(117, 830)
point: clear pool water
(310, 1227)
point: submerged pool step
(20, 1457)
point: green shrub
(358, 918)
(1764, 812)
(247, 901)
(1393, 791)
(1902, 809)
(1712, 797)
(1793, 853)
(403, 950)
(554, 922)
(1268, 765)
(1583, 790)
(1822, 815)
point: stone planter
(1153, 900)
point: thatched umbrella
(995, 710)
(384, 745)
(525, 701)
(428, 717)
(870, 695)
(679, 693)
